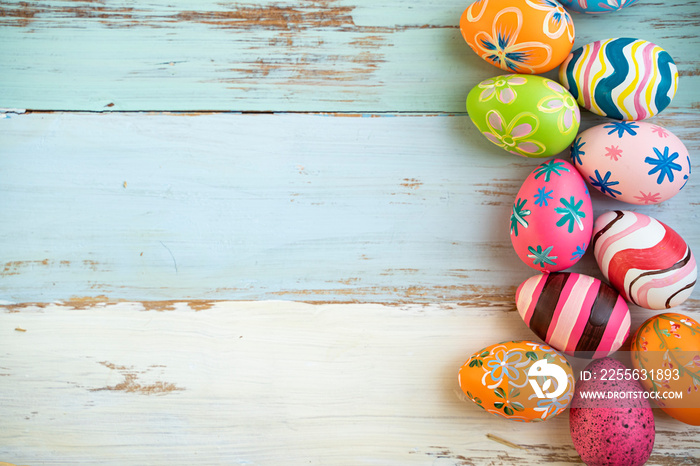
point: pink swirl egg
(644, 259)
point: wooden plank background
(278, 55)
(267, 233)
(285, 206)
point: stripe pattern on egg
(622, 78)
(644, 259)
(594, 7)
(574, 313)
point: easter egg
(574, 313)
(610, 421)
(623, 78)
(552, 217)
(594, 7)
(518, 380)
(666, 352)
(632, 161)
(526, 115)
(521, 36)
(644, 259)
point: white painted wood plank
(300, 55)
(261, 383)
(303, 207)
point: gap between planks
(358, 113)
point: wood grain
(287, 206)
(266, 232)
(278, 55)
(268, 383)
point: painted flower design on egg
(571, 214)
(502, 48)
(666, 345)
(501, 87)
(577, 151)
(578, 252)
(504, 364)
(476, 10)
(547, 169)
(557, 21)
(517, 216)
(541, 256)
(498, 379)
(604, 183)
(508, 406)
(563, 103)
(614, 152)
(622, 128)
(514, 136)
(613, 5)
(661, 132)
(663, 164)
(648, 198)
(543, 197)
(547, 406)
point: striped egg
(595, 7)
(626, 79)
(644, 259)
(574, 313)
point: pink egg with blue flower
(632, 161)
(551, 221)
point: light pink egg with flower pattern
(551, 220)
(632, 161)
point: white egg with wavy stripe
(621, 78)
(644, 259)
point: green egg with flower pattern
(526, 115)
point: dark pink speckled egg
(610, 421)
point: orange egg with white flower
(666, 357)
(520, 36)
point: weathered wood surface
(122, 233)
(273, 55)
(267, 383)
(303, 207)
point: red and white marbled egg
(644, 259)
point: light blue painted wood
(271, 55)
(283, 206)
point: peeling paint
(131, 383)
(15, 267)
(305, 15)
(411, 183)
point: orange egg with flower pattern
(518, 380)
(666, 355)
(521, 36)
